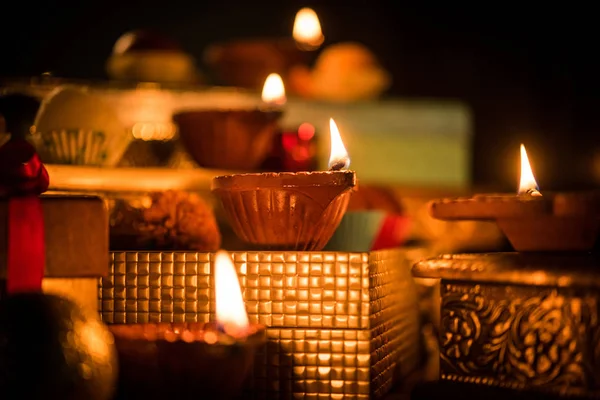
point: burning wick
(527, 186)
(338, 158)
(533, 192)
(231, 313)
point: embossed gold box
(528, 322)
(340, 325)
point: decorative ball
(143, 40)
(50, 348)
(147, 56)
(71, 107)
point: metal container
(528, 322)
(338, 324)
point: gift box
(339, 324)
(76, 243)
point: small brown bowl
(287, 210)
(552, 222)
(228, 139)
(183, 361)
(247, 63)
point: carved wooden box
(525, 322)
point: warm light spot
(124, 43)
(338, 158)
(273, 90)
(289, 142)
(527, 185)
(153, 131)
(230, 308)
(539, 277)
(306, 131)
(307, 29)
(300, 153)
(211, 337)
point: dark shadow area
(529, 73)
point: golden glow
(230, 308)
(338, 158)
(273, 90)
(527, 185)
(307, 29)
(154, 131)
(123, 43)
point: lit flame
(338, 158)
(273, 90)
(307, 29)
(230, 308)
(527, 185)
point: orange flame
(307, 29)
(338, 157)
(273, 90)
(527, 184)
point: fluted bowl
(288, 211)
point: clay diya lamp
(289, 210)
(191, 360)
(233, 139)
(532, 221)
(246, 63)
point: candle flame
(527, 185)
(307, 29)
(230, 308)
(273, 90)
(338, 158)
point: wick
(533, 192)
(338, 165)
(220, 328)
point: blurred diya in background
(232, 138)
(246, 63)
(188, 360)
(533, 221)
(289, 210)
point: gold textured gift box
(76, 242)
(340, 325)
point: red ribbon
(22, 179)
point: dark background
(529, 73)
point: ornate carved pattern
(520, 337)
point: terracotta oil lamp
(289, 210)
(192, 360)
(532, 221)
(233, 138)
(246, 63)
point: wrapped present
(55, 242)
